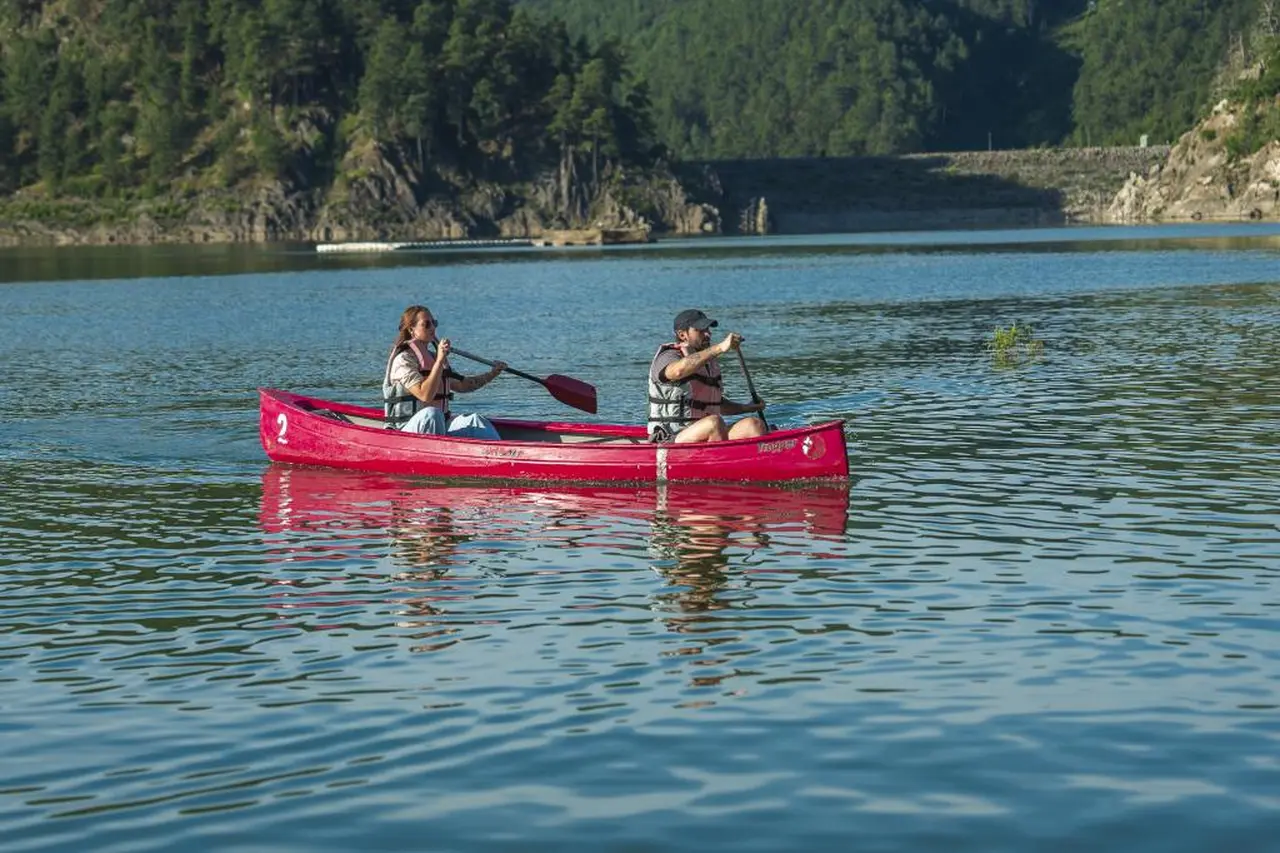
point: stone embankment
(1050, 186)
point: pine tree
(382, 88)
(58, 148)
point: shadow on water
(74, 263)
(881, 184)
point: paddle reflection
(705, 541)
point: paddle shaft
(751, 386)
(566, 389)
(519, 373)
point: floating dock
(579, 237)
(424, 245)
(593, 237)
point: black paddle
(755, 398)
(566, 389)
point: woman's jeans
(431, 420)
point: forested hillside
(1154, 68)
(130, 98)
(839, 77)
(136, 99)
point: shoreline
(920, 192)
(789, 224)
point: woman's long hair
(407, 321)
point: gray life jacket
(398, 405)
(675, 405)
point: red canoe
(310, 431)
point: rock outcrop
(1201, 179)
(378, 195)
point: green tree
(382, 88)
(592, 100)
(269, 148)
(419, 105)
(8, 180)
(115, 121)
(158, 126)
(304, 45)
(54, 126)
(194, 50)
(26, 68)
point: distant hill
(851, 77)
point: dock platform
(424, 245)
(577, 237)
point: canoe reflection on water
(694, 531)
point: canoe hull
(292, 429)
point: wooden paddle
(566, 389)
(755, 398)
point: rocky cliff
(1207, 176)
(378, 195)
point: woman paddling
(418, 383)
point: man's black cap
(692, 318)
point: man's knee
(709, 428)
(747, 428)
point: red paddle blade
(572, 392)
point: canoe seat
(329, 413)
(513, 432)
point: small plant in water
(1014, 343)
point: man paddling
(686, 400)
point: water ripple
(1043, 615)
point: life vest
(675, 405)
(398, 405)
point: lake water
(1045, 614)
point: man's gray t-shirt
(665, 358)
